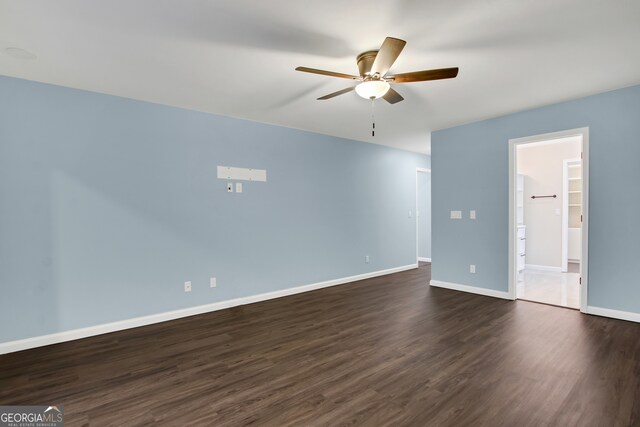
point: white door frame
(419, 170)
(513, 152)
(565, 211)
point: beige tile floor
(561, 289)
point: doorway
(423, 215)
(548, 214)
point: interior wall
(542, 166)
(424, 218)
(470, 171)
(109, 205)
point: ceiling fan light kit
(372, 89)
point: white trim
(12, 346)
(615, 314)
(424, 259)
(419, 170)
(540, 142)
(513, 234)
(471, 289)
(584, 264)
(584, 261)
(543, 268)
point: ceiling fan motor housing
(365, 61)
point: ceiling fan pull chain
(373, 121)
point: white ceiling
(237, 57)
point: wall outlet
(213, 282)
(456, 214)
(472, 214)
(187, 286)
(366, 259)
(229, 187)
(472, 269)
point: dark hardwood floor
(384, 351)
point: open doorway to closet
(547, 220)
(423, 216)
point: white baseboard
(616, 314)
(423, 259)
(471, 289)
(24, 344)
(543, 268)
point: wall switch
(456, 214)
(213, 282)
(472, 269)
(472, 214)
(187, 286)
(238, 187)
(229, 187)
(557, 212)
(410, 214)
(366, 259)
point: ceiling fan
(374, 65)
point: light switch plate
(187, 286)
(456, 214)
(472, 269)
(472, 214)
(238, 187)
(213, 282)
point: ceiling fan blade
(334, 94)
(387, 55)
(327, 73)
(421, 76)
(392, 96)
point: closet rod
(542, 197)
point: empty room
(285, 213)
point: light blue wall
(470, 171)
(108, 205)
(424, 220)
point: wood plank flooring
(383, 351)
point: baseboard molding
(423, 259)
(471, 289)
(615, 314)
(105, 328)
(543, 268)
